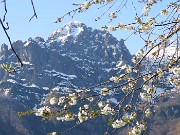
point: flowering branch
(137, 84)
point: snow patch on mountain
(11, 80)
(45, 88)
(72, 29)
(62, 75)
(170, 52)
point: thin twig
(4, 18)
(34, 15)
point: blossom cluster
(43, 111)
(136, 83)
(137, 129)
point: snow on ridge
(11, 80)
(24, 85)
(33, 85)
(73, 29)
(62, 75)
(45, 88)
(26, 63)
(27, 43)
(75, 22)
(108, 69)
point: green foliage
(110, 121)
(127, 120)
(8, 68)
(20, 114)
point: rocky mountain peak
(75, 55)
(71, 29)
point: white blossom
(73, 95)
(118, 124)
(145, 96)
(133, 115)
(147, 112)
(136, 131)
(125, 89)
(104, 91)
(54, 133)
(134, 59)
(86, 5)
(61, 100)
(111, 28)
(100, 104)
(131, 84)
(90, 99)
(53, 100)
(69, 117)
(129, 70)
(107, 110)
(145, 28)
(73, 101)
(60, 118)
(128, 27)
(120, 26)
(176, 71)
(164, 12)
(151, 1)
(43, 111)
(145, 87)
(150, 21)
(142, 127)
(140, 53)
(82, 116)
(115, 79)
(65, 106)
(146, 78)
(112, 15)
(151, 45)
(86, 107)
(146, 10)
(138, 20)
(150, 90)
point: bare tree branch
(5, 31)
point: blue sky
(20, 11)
